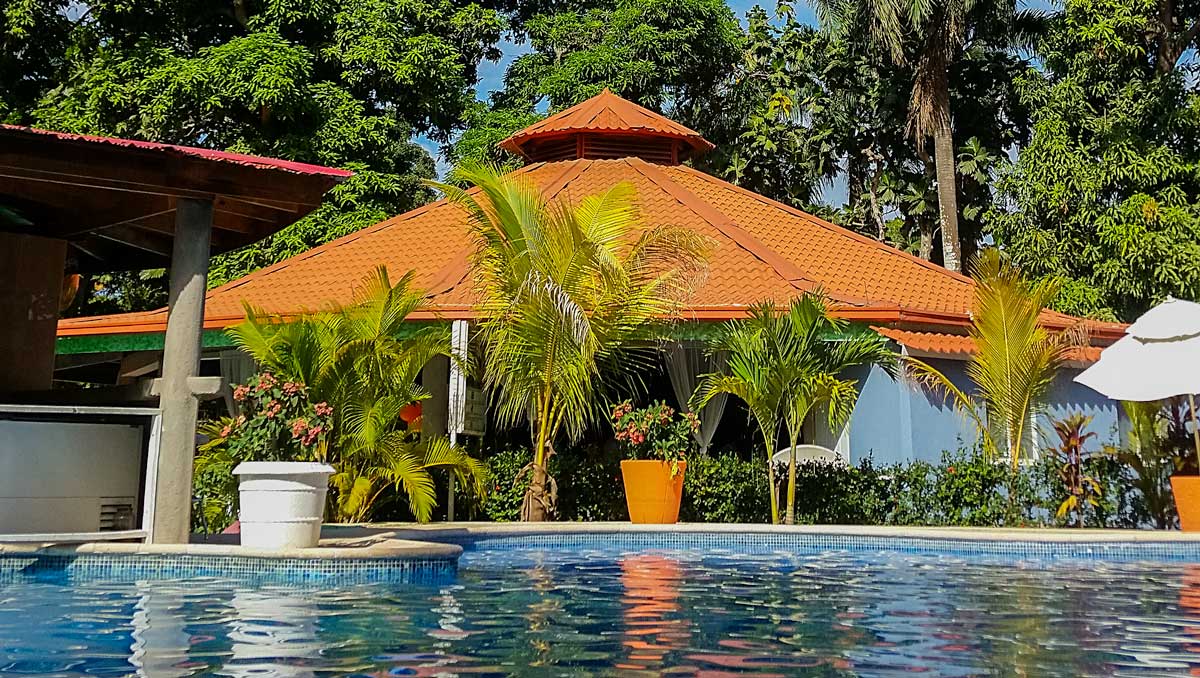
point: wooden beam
(138, 238)
(252, 211)
(164, 224)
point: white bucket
(282, 503)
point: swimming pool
(623, 606)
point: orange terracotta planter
(650, 492)
(1187, 501)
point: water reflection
(160, 636)
(653, 623)
(614, 612)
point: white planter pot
(282, 503)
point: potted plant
(656, 440)
(281, 439)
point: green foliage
(787, 364)
(724, 489)
(277, 421)
(669, 55)
(337, 82)
(214, 487)
(591, 487)
(653, 52)
(34, 39)
(364, 361)
(1105, 193)
(963, 489)
(654, 432)
(564, 290)
(1158, 445)
(119, 292)
(486, 127)
(1015, 361)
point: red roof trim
(190, 151)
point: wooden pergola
(103, 204)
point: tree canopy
(1071, 138)
(1106, 195)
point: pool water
(611, 611)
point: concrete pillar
(181, 360)
(31, 275)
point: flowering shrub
(654, 432)
(277, 422)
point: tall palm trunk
(947, 186)
(540, 498)
(772, 485)
(790, 516)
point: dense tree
(668, 55)
(807, 106)
(34, 36)
(931, 38)
(335, 82)
(1107, 193)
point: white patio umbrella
(1158, 358)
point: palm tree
(786, 365)
(566, 292)
(930, 37)
(364, 361)
(1015, 360)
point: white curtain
(685, 365)
(236, 368)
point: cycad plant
(364, 360)
(1016, 357)
(787, 364)
(566, 291)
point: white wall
(55, 476)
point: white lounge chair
(806, 453)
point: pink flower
(266, 381)
(273, 408)
(226, 431)
(299, 427)
(322, 409)
(240, 393)
(291, 387)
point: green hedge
(963, 490)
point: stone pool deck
(469, 531)
(366, 556)
(405, 552)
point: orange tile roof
(606, 112)
(957, 346)
(763, 249)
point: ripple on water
(597, 612)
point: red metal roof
(606, 112)
(192, 151)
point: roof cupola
(604, 127)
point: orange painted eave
(156, 321)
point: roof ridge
(457, 269)
(727, 227)
(351, 237)
(817, 221)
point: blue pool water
(628, 610)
